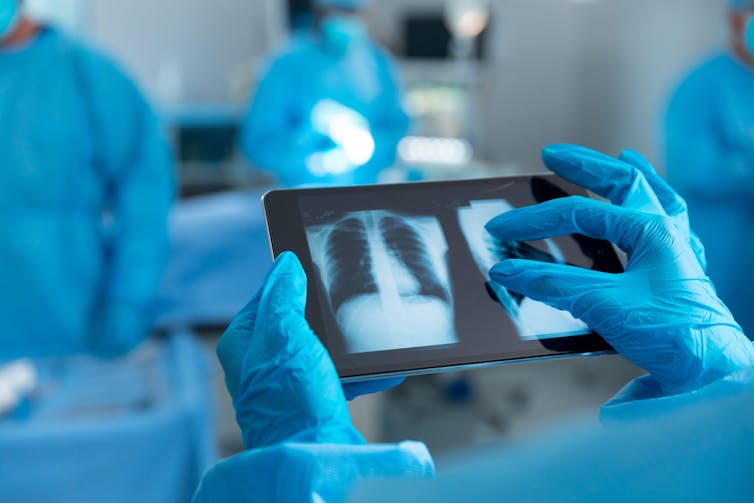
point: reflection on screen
(386, 278)
(533, 319)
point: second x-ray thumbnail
(533, 319)
(386, 278)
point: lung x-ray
(386, 278)
(533, 319)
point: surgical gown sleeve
(274, 135)
(695, 451)
(709, 148)
(135, 165)
(642, 397)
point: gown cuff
(311, 472)
(643, 398)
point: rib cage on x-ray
(386, 279)
(408, 247)
(349, 262)
(506, 250)
(533, 319)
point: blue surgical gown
(689, 447)
(86, 182)
(277, 132)
(651, 447)
(709, 132)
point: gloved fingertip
(497, 224)
(560, 155)
(627, 156)
(287, 268)
(626, 153)
(634, 158)
(287, 261)
(490, 226)
(556, 148)
(355, 390)
(503, 270)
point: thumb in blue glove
(282, 381)
(291, 409)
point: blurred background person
(328, 109)
(86, 185)
(710, 154)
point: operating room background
(598, 73)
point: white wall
(634, 53)
(533, 79)
(594, 72)
(187, 51)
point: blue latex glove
(662, 313)
(283, 383)
(709, 150)
(357, 389)
(236, 339)
(291, 408)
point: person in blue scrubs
(709, 133)
(328, 108)
(86, 183)
(680, 433)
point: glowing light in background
(349, 130)
(467, 18)
(329, 162)
(357, 143)
(17, 379)
(428, 150)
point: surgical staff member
(709, 132)
(328, 109)
(683, 431)
(86, 182)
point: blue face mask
(341, 32)
(8, 16)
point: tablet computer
(398, 274)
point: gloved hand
(281, 379)
(291, 409)
(356, 389)
(662, 313)
(117, 329)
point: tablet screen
(398, 274)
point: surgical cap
(740, 4)
(342, 4)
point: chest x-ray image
(386, 278)
(533, 319)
